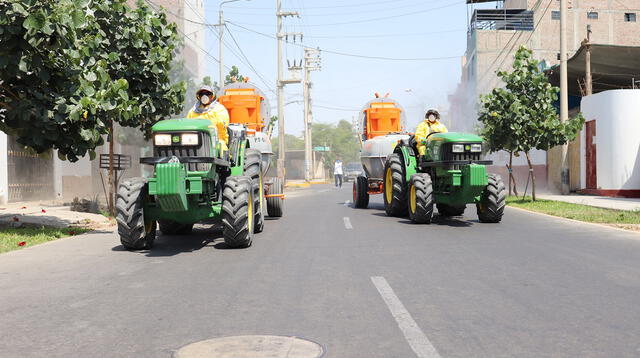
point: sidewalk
(606, 202)
(49, 214)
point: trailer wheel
(394, 187)
(169, 227)
(238, 211)
(253, 169)
(492, 201)
(135, 233)
(360, 192)
(450, 210)
(421, 198)
(275, 205)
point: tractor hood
(455, 137)
(182, 124)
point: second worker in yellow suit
(430, 124)
(208, 108)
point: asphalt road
(357, 282)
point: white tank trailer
(377, 144)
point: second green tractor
(448, 177)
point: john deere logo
(176, 139)
(467, 147)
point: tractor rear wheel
(253, 169)
(360, 192)
(275, 204)
(421, 198)
(238, 211)
(135, 233)
(169, 227)
(394, 186)
(492, 201)
(450, 210)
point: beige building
(494, 35)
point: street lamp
(220, 31)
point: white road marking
(412, 333)
(347, 223)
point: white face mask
(432, 118)
(204, 99)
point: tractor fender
(408, 159)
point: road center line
(347, 223)
(412, 333)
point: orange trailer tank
(381, 116)
(245, 104)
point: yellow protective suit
(218, 116)
(423, 130)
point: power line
(388, 35)
(247, 59)
(332, 7)
(351, 54)
(373, 19)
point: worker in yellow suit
(430, 124)
(209, 108)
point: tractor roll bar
(199, 160)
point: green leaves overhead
(69, 67)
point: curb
(576, 221)
(298, 185)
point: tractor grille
(448, 154)
(202, 150)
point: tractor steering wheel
(430, 134)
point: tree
(70, 67)
(521, 116)
(291, 143)
(234, 76)
(340, 138)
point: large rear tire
(253, 169)
(360, 192)
(135, 233)
(394, 186)
(492, 201)
(238, 212)
(450, 210)
(275, 205)
(169, 227)
(421, 198)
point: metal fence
(30, 175)
(502, 19)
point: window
(592, 15)
(555, 15)
(630, 17)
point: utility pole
(587, 62)
(311, 63)
(280, 83)
(564, 94)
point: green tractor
(448, 177)
(193, 180)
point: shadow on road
(171, 245)
(453, 221)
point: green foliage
(291, 143)
(233, 76)
(68, 68)
(521, 116)
(340, 138)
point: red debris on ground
(15, 218)
(43, 211)
(24, 207)
(22, 243)
(72, 232)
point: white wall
(4, 170)
(617, 115)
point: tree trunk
(512, 178)
(111, 204)
(533, 177)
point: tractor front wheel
(492, 201)
(394, 188)
(275, 204)
(253, 169)
(360, 192)
(238, 211)
(421, 198)
(450, 210)
(169, 227)
(135, 233)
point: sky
(399, 29)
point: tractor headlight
(189, 139)
(457, 148)
(162, 139)
(476, 148)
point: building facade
(495, 34)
